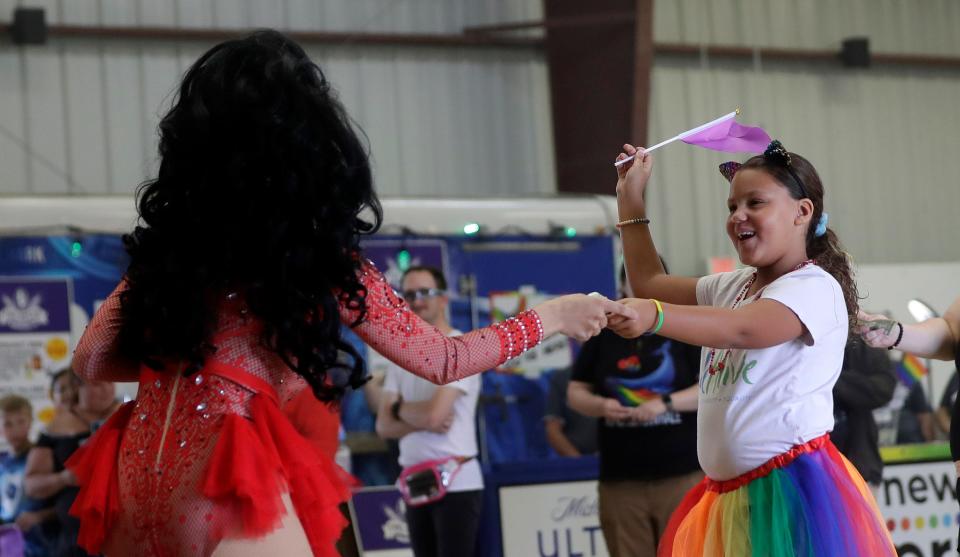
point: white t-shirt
(768, 400)
(459, 440)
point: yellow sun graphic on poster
(45, 415)
(57, 348)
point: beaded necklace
(714, 364)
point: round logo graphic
(57, 348)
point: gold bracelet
(638, 220)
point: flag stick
(687, 133)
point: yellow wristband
(656, 328)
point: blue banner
(94, 263)
(34, 305)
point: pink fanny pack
(427, 482)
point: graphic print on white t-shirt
(736, 369)
(765, 401)
(459, 440)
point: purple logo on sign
(34, 306)
(380, 519)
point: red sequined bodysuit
(197, 459)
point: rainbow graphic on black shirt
(634, 397)
(634, 391)
(630, 364)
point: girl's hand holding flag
(633, 175)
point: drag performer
(244, 265)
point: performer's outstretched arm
(392, 329)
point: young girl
(774, 336)
(245, 264)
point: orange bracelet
(638, 220)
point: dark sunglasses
(421, 294)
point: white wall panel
(304, 14)
(440, 120)
(126, 133)
(229, 14)
(919, 26)
(156, 14)
(80, 12)
(7, 7)
(430, 114)
(85, 121)
(84, 117)
(190, 13)
(268, 14)
(448, 121)
(44, 104)
(14, 170)
(119, 12)
(383, 16)
(80, 116)
(880, 139)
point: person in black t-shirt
(645, 391)
(947, 402)
(866, 382)
(915, 423)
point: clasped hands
(632, 327)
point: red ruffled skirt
(252, 463)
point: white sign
(551, 520)
(919, 505)
(34, 339)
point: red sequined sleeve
(96, 356)
(392, 329)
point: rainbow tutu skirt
(807, 502)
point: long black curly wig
(261, 186)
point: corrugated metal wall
(919, 26)
(79, 116)
(882, 138)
